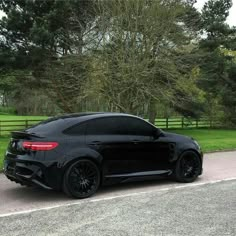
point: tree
(216, 66)
(37, 34)
(142, 50)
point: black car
(79, 152)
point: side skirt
(136, 176)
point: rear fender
(80, 153)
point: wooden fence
(182, 122)
(7, 126)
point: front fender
(183, 147)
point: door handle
(136, 141)
(95, 143)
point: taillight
(40, 146)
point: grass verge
(16, 117)
(211, 140)
(3, 145)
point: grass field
(209, 139)
(10, 123)
(5, 139)
(14, 117)
(3, 145)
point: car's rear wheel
(188, 167)
(81, 179)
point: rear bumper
(30, 173)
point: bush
(7, 110)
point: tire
(188, 167)
(81, 179)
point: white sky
(231, 19)
(232, 15)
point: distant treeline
(146, 57)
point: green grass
(5, 139)
(15, 117)
(209, 139)
(10, 123)
(3, 145)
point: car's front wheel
(81, 179)
(188, 167)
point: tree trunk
(152, 111)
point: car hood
(177, 137)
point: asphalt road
(205, 207)
(203, 210)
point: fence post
(155, 123)
(26, 124)
(182, 122)
(167, 123)
(196, 123)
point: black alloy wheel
(188, 167)
(82, 179)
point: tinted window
(134, 126)
(78, 129)
(103, 126)
(119, 126)
(48, 126)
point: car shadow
(134, 186)
(34, 194)
(39, 196)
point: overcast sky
(232, 16)
(231, 19)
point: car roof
(59, 123)
(90, 115)
(75, 118)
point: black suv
(79, 152)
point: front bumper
(201, 154)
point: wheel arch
(82, 157)
(195, 173)
(189, 150)
(78, 154)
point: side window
(134, 126)
(78, 129)
(102, 126)
(119, 126)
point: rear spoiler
(21, 134)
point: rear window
(78, 129)
(51, 125)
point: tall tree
(143, 46)
(37, 34)
(216, 66)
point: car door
(127, 145)
(103, 135)
(149, 153)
